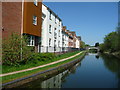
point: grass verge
(28, 73)
(7, 69)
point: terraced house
(51, 31)
(23, 18)
(43, 27)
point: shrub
(41, 57)
(15, 50)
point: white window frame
(36, 2)
(49, 42)
(50, 16)
(34, 20)
(50, 28)
(32, 41)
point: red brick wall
(11, 18)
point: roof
(52, 12)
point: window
(50, 28)
(55, 20)
(35, 2)
(59, 23)
(50, 15)
(55, 29)
(59, 33)
(34, 20)
(55, 34)
(31, 40)
(49, 42)
(59, 43)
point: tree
(110, 42)
(82, 44)
(15, 50)
(97, 44)
(118, 32)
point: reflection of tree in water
(97, 56)
(113, 64)
(119, 83)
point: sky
(90, 20)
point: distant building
(23, 18)
(70, 41)
(74, 38)
(65, 39)
(78, 41)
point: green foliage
(41, 57)
(82, 44)
(97, 44)
(111, 43)
(15, 50)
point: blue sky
(90, 20)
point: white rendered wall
(46, 34)
(77, 43)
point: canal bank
(56, 68)
(116, 54)
(94, 71)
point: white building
(51, 40)
(78, 39)
(77, 43)
(65, 39)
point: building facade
(51, 40)
(23, 18)
(44, 29)
(65, 39)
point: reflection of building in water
(54, 82)
(73, 69)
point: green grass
(28, 73)
(7, 69)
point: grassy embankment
(30, 65)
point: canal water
(94, 71)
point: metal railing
(43, 49)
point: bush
(15, 50)
(41, 57)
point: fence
(57, 49)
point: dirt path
(29, 69)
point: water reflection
(97, 56)
(93, 73)
(54, 82)
(113, 64)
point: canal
(94, 71)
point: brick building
(23, 18)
